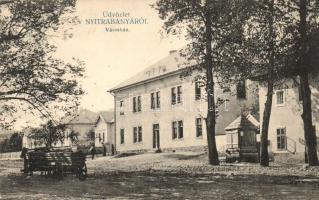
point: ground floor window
(177, 129)
(199, 127)
(122, 136)
(137, 134)
(281, 139)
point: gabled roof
(84, 117)
(107, 116)
(171, 63)
(243, 121)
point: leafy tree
(265, 52)
(90, 136)
(31, 79)
(306, 41)
(281, 42)
(50, 134)
(210, 27)
(15, 141)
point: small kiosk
(241, 139)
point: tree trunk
(264, 157)
(309, 132)
(211, 115)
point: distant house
(286, 133)
(83, 123)
(30, 143)
(104, 128)
(157, 109)
(86, 122)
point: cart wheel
(83, 172)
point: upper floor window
(280, 97)
(158, 99)
(281, 139)
(155, 100)
(199, 127)
(177, 130)
(137, 104)
(176, 95)
(122, 136)
(198, 91)
(121, 107)
(137, 134)
(241, 89)
(300, 92)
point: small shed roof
(243, 122)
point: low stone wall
(10, 156)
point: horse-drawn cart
(55, 161)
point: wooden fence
(10, 156)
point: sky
(113, 57)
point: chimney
(172, 51)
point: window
(241, 89)
(281, 139)
(176, 95)
(103, 137)
(226, 104)
(179, 94)
(137, 134)
(300, 91)
(122, 136)
(280, 97)
(134, 105)
(177, 129)
(158, 99)
(152, 100)
(173, 96)
(198, 92)
(174, 130)
(155, 100)
(122, 107)
(137, 104)
(199, 127)
(139, 139)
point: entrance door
(156, 136)
(248, 139)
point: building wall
(82, 129)
(188, 111)
(107, 129)
(31, 143)
(288, 115)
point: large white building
(286, 132)
(158, 109)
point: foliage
(50, 134)
(90, 136)
(12, 144)
(212, 28)
(32, 79)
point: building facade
(158, 109)
(286, 133)
(104, 129)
